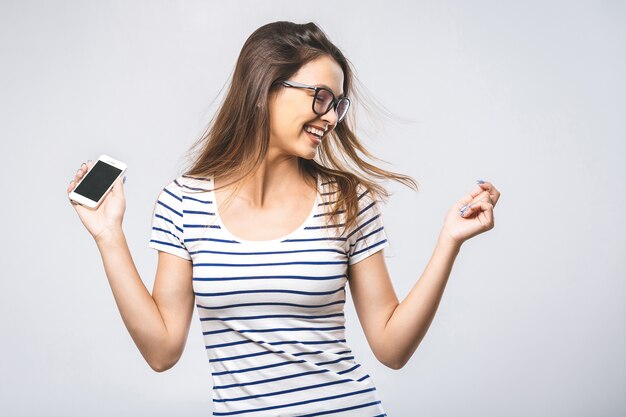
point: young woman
(262, 234)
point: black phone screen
(98, 180)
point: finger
(71, 187)
(469, 197)
(86, 166)
(462, 206)
(484, 210)
(80, 172)
(494, 194)
(484, 196)
(118, 187)
(486, 215)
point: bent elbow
(159, 367)
(162, 366)
(395, 362)
(394, 365)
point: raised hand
(472, 214)
(108, 217)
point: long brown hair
(236, 139)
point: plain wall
(528, 95)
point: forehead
(323, 72)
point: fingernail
(71, 181)
(480, 181)
(89, 160)
(124, 181)
(463, 210)
(83, 164)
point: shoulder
(172, 195)
(362, 194)
(185, 184)
(331, 185)
(367, 200)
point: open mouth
(314, 133)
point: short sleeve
(368, 236)
(167, 222)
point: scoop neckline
(310, 216)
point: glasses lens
(323, 100)
(342, 109)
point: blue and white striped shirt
(272, 312)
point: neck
(277, 176)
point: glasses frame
(333, 104)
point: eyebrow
(325, 86)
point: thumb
(118, 187)
(485, 214)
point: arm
(158, 323)
(394, 330)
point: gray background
(528, 95)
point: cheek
(286, 123)
(280, 126)
(287, 118)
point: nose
(330, 117)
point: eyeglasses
(324, 100)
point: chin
(304, 150)
(309, 155)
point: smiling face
(290, 109)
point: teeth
(315, 131)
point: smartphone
(97, 182)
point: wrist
(109, 236)
(446, 240)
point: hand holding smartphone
(97, 195)
(92, 189)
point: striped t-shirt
(272, 312)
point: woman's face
(290, 109)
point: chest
(277, 219)
(301, 273)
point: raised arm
(158, 323)
(394, 330)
